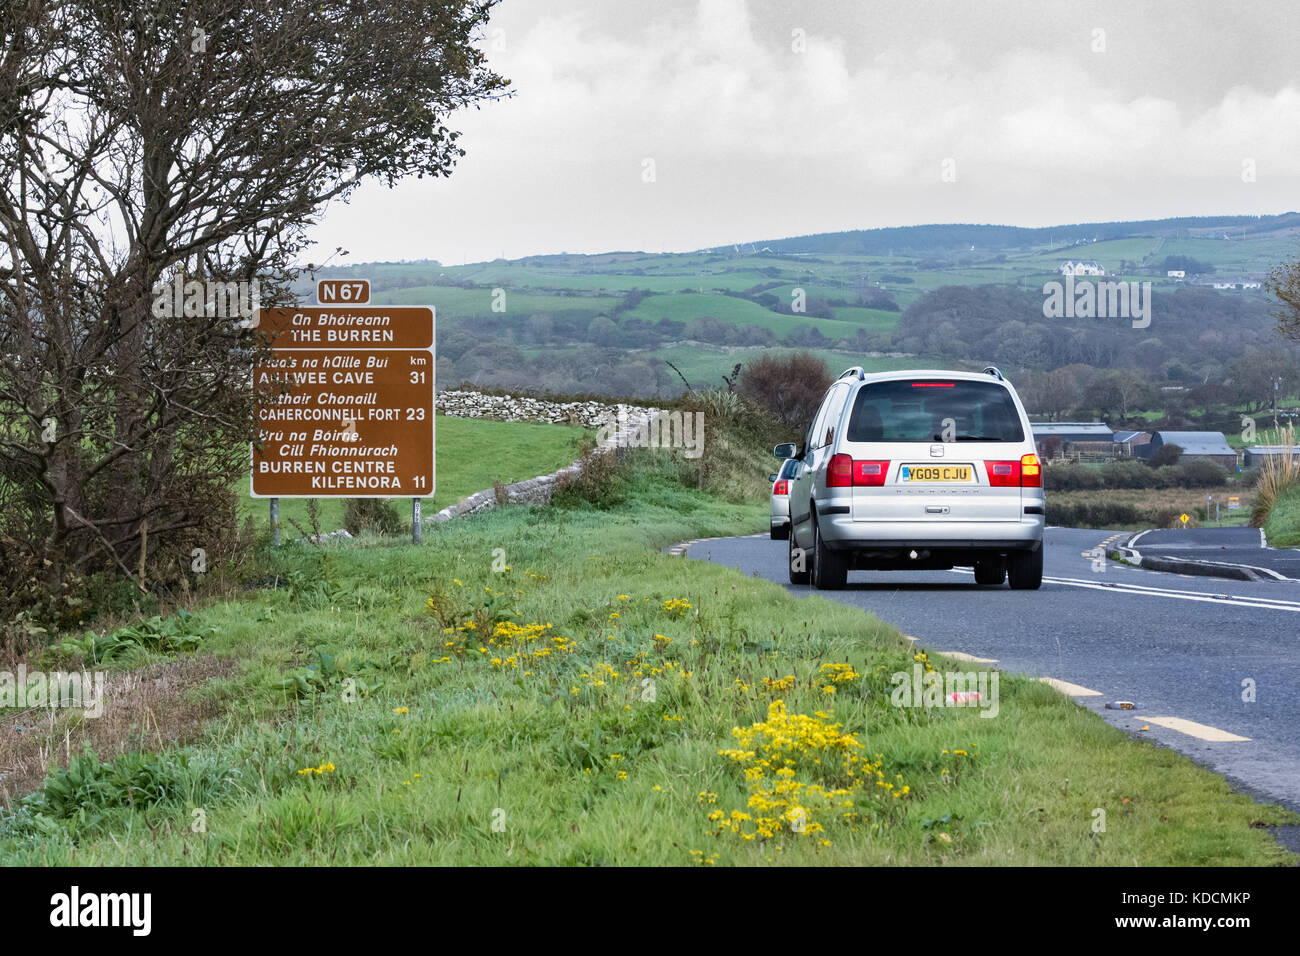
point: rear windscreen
(787, 470)
(931, 410)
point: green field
(471, 454)
(598, 702)
(683, 307)
(682, 287)
(704, 366)
(874, 321)
(453, 302)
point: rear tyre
(780, 532)
(990, 572)
(1025, 570)
(830, 569)
(799, 560)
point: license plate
(953, 473)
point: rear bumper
(936, 544)
(780, 511)
(842, 533)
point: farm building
(1082, 267)
(1211, 445)
(1127, 443)
(1257, 455)
(1089, 439)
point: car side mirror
(771, 478)
(784, 451)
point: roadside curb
(678, 550)
(540, 489)
(1214, 569)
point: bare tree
(1284, 283)
(180, 144)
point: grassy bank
(393, 704)
(471, 454)
(1283, 524)
(1124, 508)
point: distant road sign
(351, 412)
(1184, 517)
(1233, 502)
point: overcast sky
(772, 118)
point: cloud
(751, 139)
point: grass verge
(472, 453)
(1282, 527)
(542, 686)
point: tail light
(782, 487)
(1031, 473)
(1025, 473)
(843, 472)
(839, 472)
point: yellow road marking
(958, 655)
(1071, 690)
(1193, 729)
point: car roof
(902, 374)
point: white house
(1082, 267)
(1177, 273)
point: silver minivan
(780, 503)
(927, 470)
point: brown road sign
(346, 399)
(348, 327)
(357, 424)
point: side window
(815, 433)
(834, 411)
(828, 416)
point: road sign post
(345, 400)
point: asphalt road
(1232, 545)
(1179, 647)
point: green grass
(453, 302)
(471, 453)
(433, 747)
(704, 365)
(872, 320)
(685, 306)
(687, 275)
(1282, 527)
(1108, 253)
